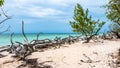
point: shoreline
(33, 36)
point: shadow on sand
(32, 63)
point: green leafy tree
(113, 14)
(1, 2)
(84, 24)
(113, 11)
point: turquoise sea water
(5, 38)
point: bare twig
(11, 41)
(23, 32)
(38, 35)
(89, 59)
(7, 17)
(5, 30)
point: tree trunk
(87, 40)
(118, 35)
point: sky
(49, 16)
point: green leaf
(84, 24)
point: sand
(77, 55)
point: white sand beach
(77, 55)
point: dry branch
(38, 35)
(5, 30)
(26, 40)
(11, 41)
(7, 17)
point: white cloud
(47, 8)
(29, 7)
(43, 12)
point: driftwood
(26, 40)
(12, 47)
(70, 40)
(11, 41)
(4, 48)
(109, 36)
(46, 43)
(27, 48)
(38, 35)
(1, 55)
(22, 50)
(116, 33)
(89, 59)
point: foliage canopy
(1, 2)
(113, 11)
(84, 24)
(113, 14)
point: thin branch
(38, 35)
(4, 13)
(1, 26)
(11, 41)
(7, 17)
(5, 30)
(4, 20)
(23, 32)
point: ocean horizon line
(42, 33)
(48, 33)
